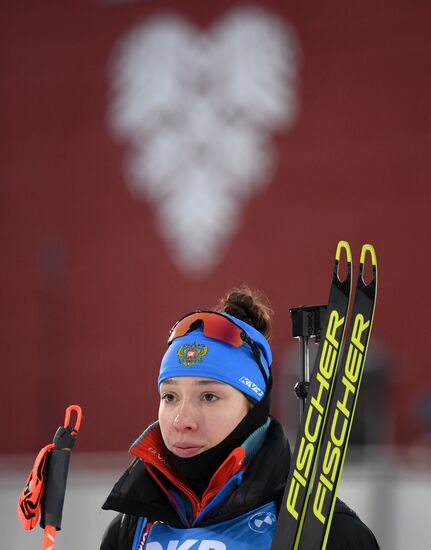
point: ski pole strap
(29, 503)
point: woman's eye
(210, 397)
(169, 397)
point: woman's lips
(185, 450)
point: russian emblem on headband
(190, 354)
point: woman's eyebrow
(168, 381)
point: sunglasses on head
(219, 327)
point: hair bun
(250, 306)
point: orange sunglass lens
(215, 326)
(220, 328)
(181, 328)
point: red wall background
(87, 289)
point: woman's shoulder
(119, 533)
(348, 532)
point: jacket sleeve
(348, 532)
(120, 533)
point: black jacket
(136, 494)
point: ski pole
(43, 494)
(306, 323)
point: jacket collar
(136, 493)
(149, 448)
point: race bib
(254, 529)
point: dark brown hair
(250, 306)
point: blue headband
(194, 354)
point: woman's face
(195, 414)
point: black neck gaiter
(198, 470)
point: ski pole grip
(56, 480)
(64, 439)
(307, 321)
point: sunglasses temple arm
(256, 353)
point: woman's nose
(186, 418)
